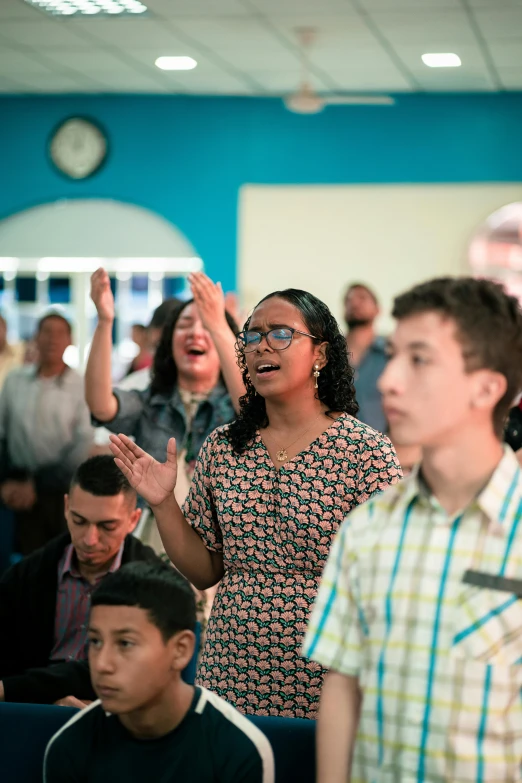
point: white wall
(391, 236)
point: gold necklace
(282, 454)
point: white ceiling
(248, 47)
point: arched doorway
(48, 252)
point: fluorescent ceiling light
(441, 60)
(176, 63)
(92, 8)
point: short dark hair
(48, 316)
(366, 288)
(157, 588)
(101, 476)
(489, 327)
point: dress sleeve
(199, 508)
(337, 627)
(379, 467)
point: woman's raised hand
(101, 295)
(151, 479)
(210, 301)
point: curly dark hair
(336, 388)
(164, 370)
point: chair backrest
(25, 730)
(293, 743)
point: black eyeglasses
(278, 339)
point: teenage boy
(148, 724)
(419, 614)
(45, 598)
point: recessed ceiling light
(441, 60)
(176, 63)
(89, 7)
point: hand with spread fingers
(101, 295)
(154, 481)
(210, 301)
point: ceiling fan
(306, 100)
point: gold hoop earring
(316, 376)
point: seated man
(45, 598)
(148, 724)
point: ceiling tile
(50, 83)
(511, 78)
(355, 80)
(221, 32)
(173, 9)
(447, 29)
(507, 53)
(492, 4)
(88, 61)
(338, 57)
(440, 80)
(409, 5)
(126, 33)
(500, 22)
(13, 62)
(212, 83)
(16, 9)
(282, 82)
(43, 33)
(129, 82)
(275, 8)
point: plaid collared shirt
(438, 651)
(73, 603)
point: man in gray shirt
(45, 433)
(366, 351)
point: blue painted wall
(187, 157)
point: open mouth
(196, 352)
(267, 369)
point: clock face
(78, 148)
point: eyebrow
(270, 326)
(101, 522)
(416, 345)
(117, 632)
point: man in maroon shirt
(45, 598)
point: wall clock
(78, 147)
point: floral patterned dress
(274, 529)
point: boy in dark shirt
(148, 724)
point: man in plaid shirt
(419, 613)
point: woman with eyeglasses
(269, 492)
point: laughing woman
(195, 383)
(269, 492)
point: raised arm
(155, 481)
(210, 302)
(98, 377)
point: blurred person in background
(144, 358)
(140, 379)
(367, 352)
(11, 355)
(45, 433)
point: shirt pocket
(488, 627)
